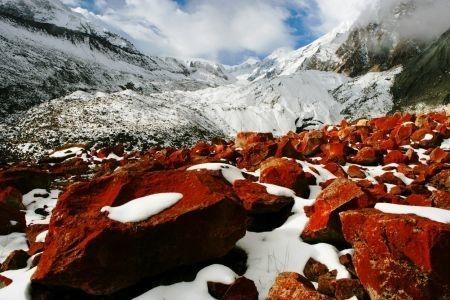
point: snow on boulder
(284, 172)
(324, 226)
(85, 249)
(141, 209)
(401, 256)
(266, 211)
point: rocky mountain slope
(359, 210)
(49, 51)
(426, 78)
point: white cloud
(205, 28)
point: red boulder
(399, 256)
(286, 173)
(86, 250)
(324, 225)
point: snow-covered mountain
(50, 51)
(348, 72)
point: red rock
(396, 157)
(402, 133)
(387, 122)
(440, 199)
(15, 260)
(324, 225)
(367, 156)
(265, 211)
(399, 256)
(253, 155)
(348, 288)
(441, 180)
(217, 289)
(178, 159)
(24, 179)
(285, 148)
(327, 283)
(107, 167)
(286, 173)
(412, 156)
(420, 136)
(346, 260)
(241, 289)
(32, 231)
(355, 172)
(389, 177)
(418, 199)
(406, 170)
(439, 156)
(4, 281)
(73, 166)
(203, 225)
(289, 285)
(334, 152)
(311, 142)
(201, 149)
(313, 269)
(244, 139)
(12, 219)
(335, 169)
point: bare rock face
(86, 250)
(324, 224)
(399, 256)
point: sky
(227, 31)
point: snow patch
(141, 209)
(432, 213)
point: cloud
(205, 28)
(420, 19)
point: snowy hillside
(41, 61)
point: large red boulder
(324, 224)
(12, 219)
(265, 211)
(289, 285)
(24, 179)
(399, 256)
(286, 173)
(86, 250)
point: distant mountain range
(105, 90)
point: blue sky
(226, 31)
